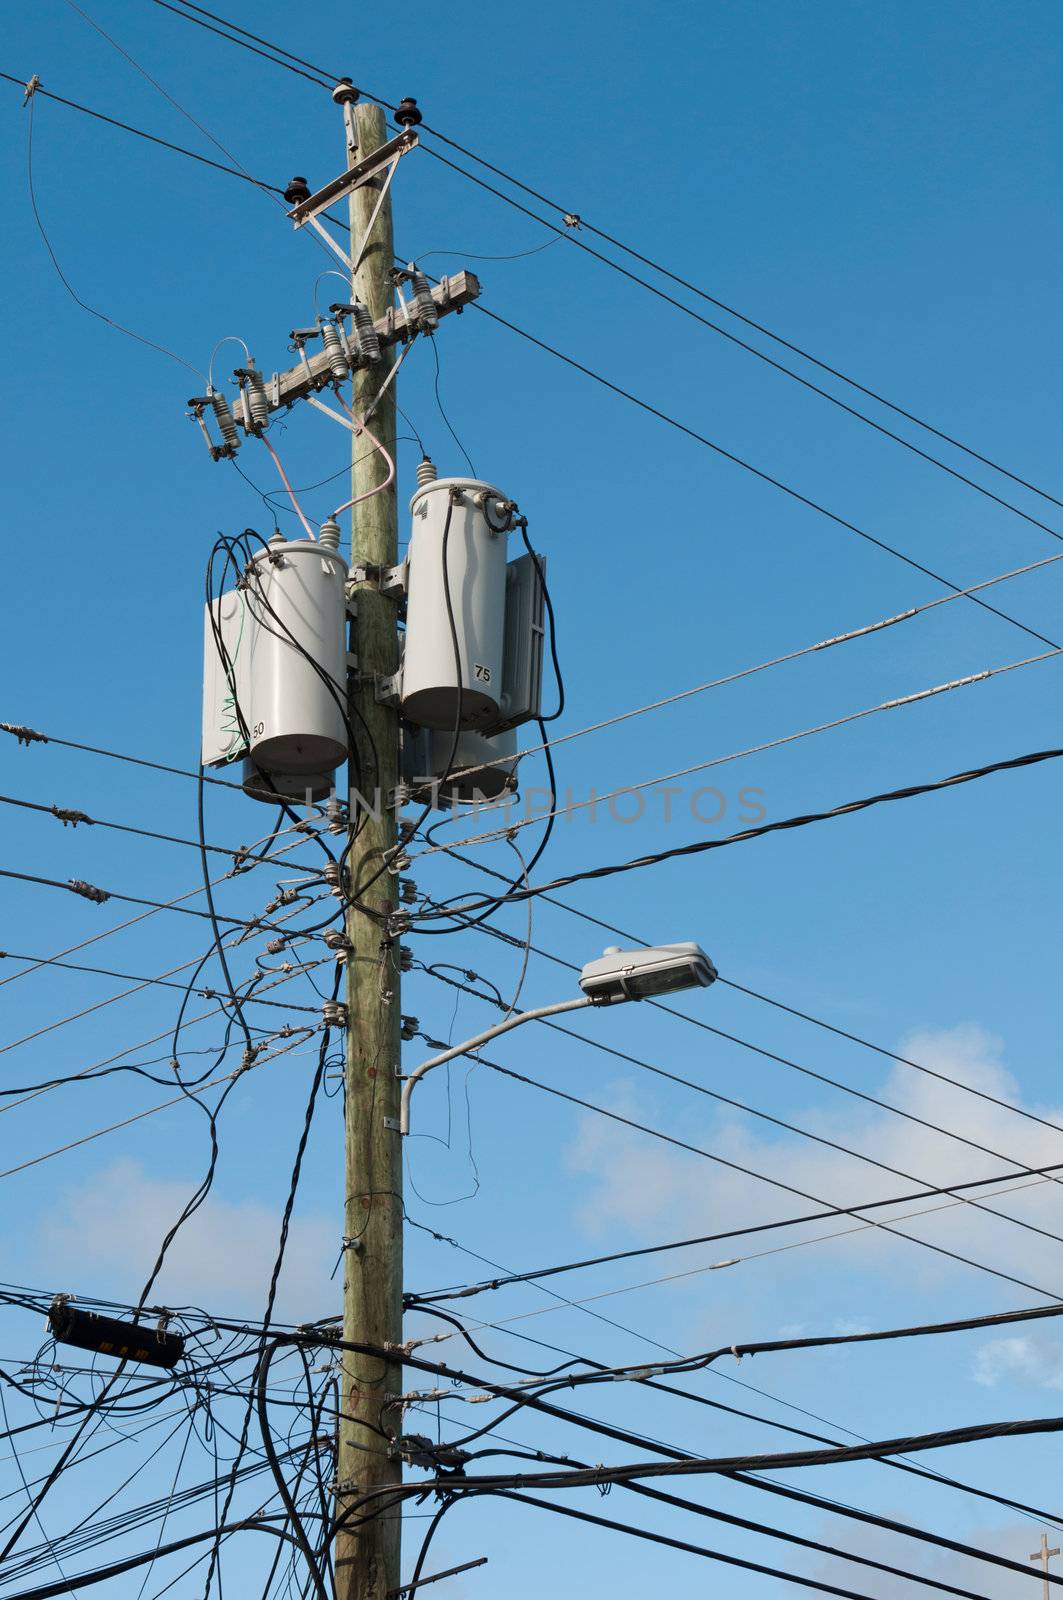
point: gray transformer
(283, 634)
(486, 769)
(471, 596)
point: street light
(614, 977)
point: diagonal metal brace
(353, 178)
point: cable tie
(24, 735)
(88, 891)
(73, 817)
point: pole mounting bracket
(361, 173)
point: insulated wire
(750, 750)
(698, 847)
(574, 221)
(761, 666)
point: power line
(75, 818)
(761, 666)
(126, 127)
(642, 404)
(777, 1183)
(730, 983)
(748, 466)
(76, 886)
(753, 1111)
(574, 221)
(165, 1105)
(699, 846)
(567, 233)
(765, 745)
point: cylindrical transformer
(297, 668)
(486, 768)
(300, 788)
(471, 595)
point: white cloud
(654, 1190)
(106, 1233)
(1035, 1361)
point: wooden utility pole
(367, 1555)
(1044, 1555)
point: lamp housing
(643, 974)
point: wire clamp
(24, 735)
(73, 817)
(88, 891)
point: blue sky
(876, 183)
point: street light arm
(479, 1039)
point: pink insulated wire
(291, 492)
(361, 426)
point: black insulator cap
(297, 191)
(345, 93)
(407, 115)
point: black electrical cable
(683, 1545)
(275, 1277)
(755, 471)
(699, 846)
(126, 127)
(730, 983)
(77, 818)
(573, 222)
(309, 1553)
(100, 316)
(561, 232)
(739, 1105)
(311, 77)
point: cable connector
(572, 219)
(248, 1059)
(88, 891)
(240, 857)
(275, 946)
(336, 811)
(24, 735)
(409, 1028)
(73, 817)
(334, 1013)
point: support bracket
(353, 178)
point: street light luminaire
(616, 976)
(642, 974)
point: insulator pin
(366, 334)
(424, 309)
(333, 347)
(220, 407)
(257, 403)
(427, 472)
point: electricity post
(367, 1554)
